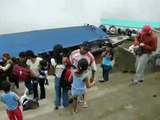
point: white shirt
(34, 66)
(58, 68)
(76, 56)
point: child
(80, 79)
(12, 102)
(42, 77)
(107, 57)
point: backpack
(64, 81)
(21, 73)
(29, 104)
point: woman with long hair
(58, 64)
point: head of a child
(82, 65)
(6, 86)
(108, 46)
(43, 63)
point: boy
(107, 57)
(12, 102)
(42, 77)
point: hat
(145, 29)
(109, 44)
(86, 45)
(82, 64)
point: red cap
(145, 29)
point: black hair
(22, 54)
(43, 63)
(109, 44)
(58, 53)
(6, 86)
(30, 54)
(86, 45)
(82, 65)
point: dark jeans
(106, 70)
(42, 89)
(28, 85)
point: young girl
(80, 79)
(107, 57)
(12, 102)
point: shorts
(76, 92)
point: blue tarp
(43, 40)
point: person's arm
(103, 54)
(52, 67)
(17, 99)
(5, 67)
(136, 40)
(89, 84)
(70, 78)
(151, 47)
(1, 99)
(92, 75)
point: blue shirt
(106, 61)
(78, 82)
(10, 99)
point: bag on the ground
(21, 73)
(29, 104)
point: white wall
(26, 15)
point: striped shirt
(76, 56)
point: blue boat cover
(44, 40)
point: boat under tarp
(44, 40)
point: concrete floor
(114, 100)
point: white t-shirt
(59, 68)
(34, 66)
(76, 56)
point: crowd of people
(71, 73)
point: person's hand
(91, 79)
(141, 44)
(136, 47)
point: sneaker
(85, 105)
(74, 112)
(102, 80)
(140, 81)
(56, 108)
(79, 99)
(133, 83)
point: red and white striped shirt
(76, 56)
